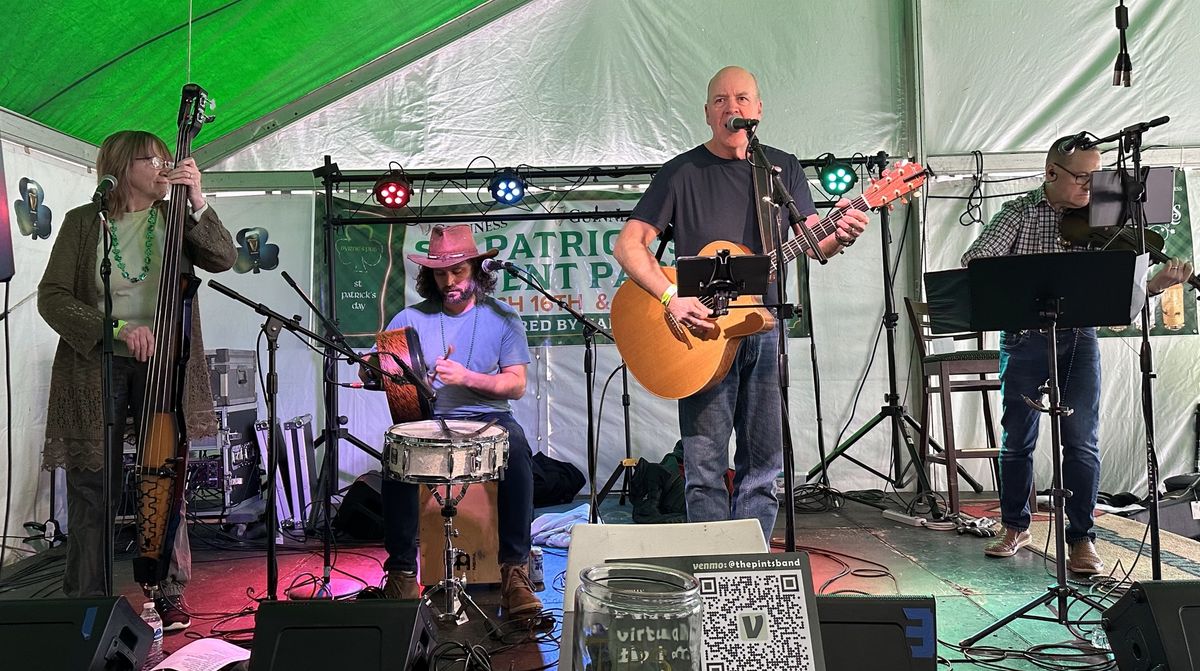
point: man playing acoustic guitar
(707, 194)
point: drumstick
(481, 429)
(449, 350)
(446, 432)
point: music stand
(1052, 291)
(723, 278)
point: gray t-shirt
(486, 338)
(710, 198)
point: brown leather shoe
(1007, 545)
(1084, 558)
(401, 585)
(518, 599)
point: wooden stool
(477, 536)
(941, 377)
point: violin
(1075, 232)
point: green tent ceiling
(91, 67)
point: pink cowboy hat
(449, 246)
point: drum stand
(454, 589)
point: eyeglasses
(1082, 179)
(157, 162)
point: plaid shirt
(1026, 224)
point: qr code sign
(755, 617)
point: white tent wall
(579, 82)
(233, 325)
(1013, 75)
(31, 342)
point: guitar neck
(822, 229)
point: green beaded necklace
(116, 247)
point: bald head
(732, 92)
(1056, 154)
(732, 72)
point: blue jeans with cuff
(1024, 367)
(745, 402)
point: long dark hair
(427, 287)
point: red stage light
(392, 190)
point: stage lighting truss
(393, 189)
(507, 188)
(837, 177)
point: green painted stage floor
(972, 590)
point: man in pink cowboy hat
(478, 347)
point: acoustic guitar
(672, 362)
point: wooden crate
(477, 534)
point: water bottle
(537, 568)
(1099, 638)
(150, 616)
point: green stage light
(837, 178)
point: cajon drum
(477, 534)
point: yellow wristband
(117, 326)
(668, 294)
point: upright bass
(162, 446)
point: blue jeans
(514, 503)
(745, 402)
(1023, 368)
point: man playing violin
(1029, 224)
(479, 350)
(71, 301)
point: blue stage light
(507, 188)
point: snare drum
(422, 452)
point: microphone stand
(325, 486)
(271, 328)
(1134, 188)
(106, 393)
(823, 484)
(781, 197)
(590, 329)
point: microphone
(496, 265)
(736, 123)
(107, 184)
(1076, 141)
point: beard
(459, 295)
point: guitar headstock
(193, 111)
(897, 183)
